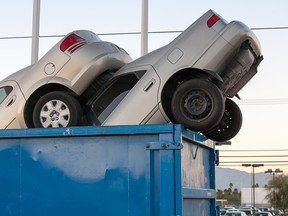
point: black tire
(64, 111)
(197, 104)
(229, 125)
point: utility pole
(35, 31)
(144, 28)
(253, 180)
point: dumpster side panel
(198, 178)
(121, 170)
(10, 179)
(72, 176)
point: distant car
(50, 93)
(263, 213)
(235, 213)
(189, 81)
(227, 208)
(248, 211)
(264, 209)
(275, 212)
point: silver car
(263, 213)
(51, 92)
(189, 81)
(235, 213)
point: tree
(235, 191)
(256, 185)
(277, 189)
(219, 194)
(232, 195)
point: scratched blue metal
(198, 177)
(121, 170)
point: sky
(264, 101)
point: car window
(113, 95)
(262, 214)
(233, 214)
(4, 92)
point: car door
(140, 104)
(130, 98)
(10, 96)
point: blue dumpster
(118, 170)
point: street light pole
(253, 166)
(35, 31)
(253, 180)
(144, 28)
(249, 165)
(273, 173)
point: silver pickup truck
(189, 81)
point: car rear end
(234, 54)
(51, 68)
(89, 57)
(245, 59)
(70, 66)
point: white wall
(260, 193)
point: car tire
(57, 109)
(197, 104)
(229, 125)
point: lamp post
(144, 28)
(35, 31)
(253, 180)
(273, 172)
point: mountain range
(239, 179)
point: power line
(252, 150)
(241, 162)
(251, 162)
(249, 156)
(137, 33)
(247, 159)
(266, 164)
(268, 101)
(30, 37)
(270, 28)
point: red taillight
(212, 20)
(73, 42)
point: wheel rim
(226, 122)
(55, 113)
(197, 105)
(229, 125)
